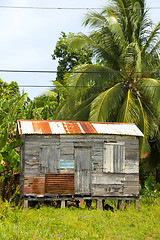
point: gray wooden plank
(82, 170)
(49, 159)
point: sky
(28, 36)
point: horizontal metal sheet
(60, 183)
(73, 127)
(34, 185)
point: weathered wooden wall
(87, 151)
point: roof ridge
(71, 121)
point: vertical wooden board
(49, 159)
(54, 159)
(116, 158)
(83, 170)
(108, 158)
(42, 160)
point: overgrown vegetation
(150, 191)
(72, 223)
(15, 106)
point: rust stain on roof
(41, 127)
(71, 128)
(88, 127)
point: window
(114, 157)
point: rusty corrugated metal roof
(75, 127)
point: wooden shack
(66, 160)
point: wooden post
(99, 204)
(120, 204)
(137, 203)
(128, 202)
(103, 203)
(63, 204)
(26, 203)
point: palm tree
(122, 84)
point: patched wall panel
(34, 185)
(59, 183)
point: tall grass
(72, 223)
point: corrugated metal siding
(72, 127)
(34, 185)
(60, 183)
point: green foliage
(13, 106)
(9, 90)
(46, 104)
(30, 110)
(149, 185)
(9, 111)
(151, 192)
(68, 57)
(11, 103)
(150, 164)
(71, 223)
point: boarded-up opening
(49, 158)
(82, 170)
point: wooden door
(83, 170)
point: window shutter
(49, 159)
(114, 157)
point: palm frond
(152, 38)
(102, 45)
(149, 89)
(115, 28)
(83, 110)
(129, 111)
(94, 19)
(89, 75)
(155, 49)
(103, 105)
(131, 58)
(144, 126)
(64, 109)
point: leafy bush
(151, 192)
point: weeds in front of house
(71, 223)
(49, 223)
